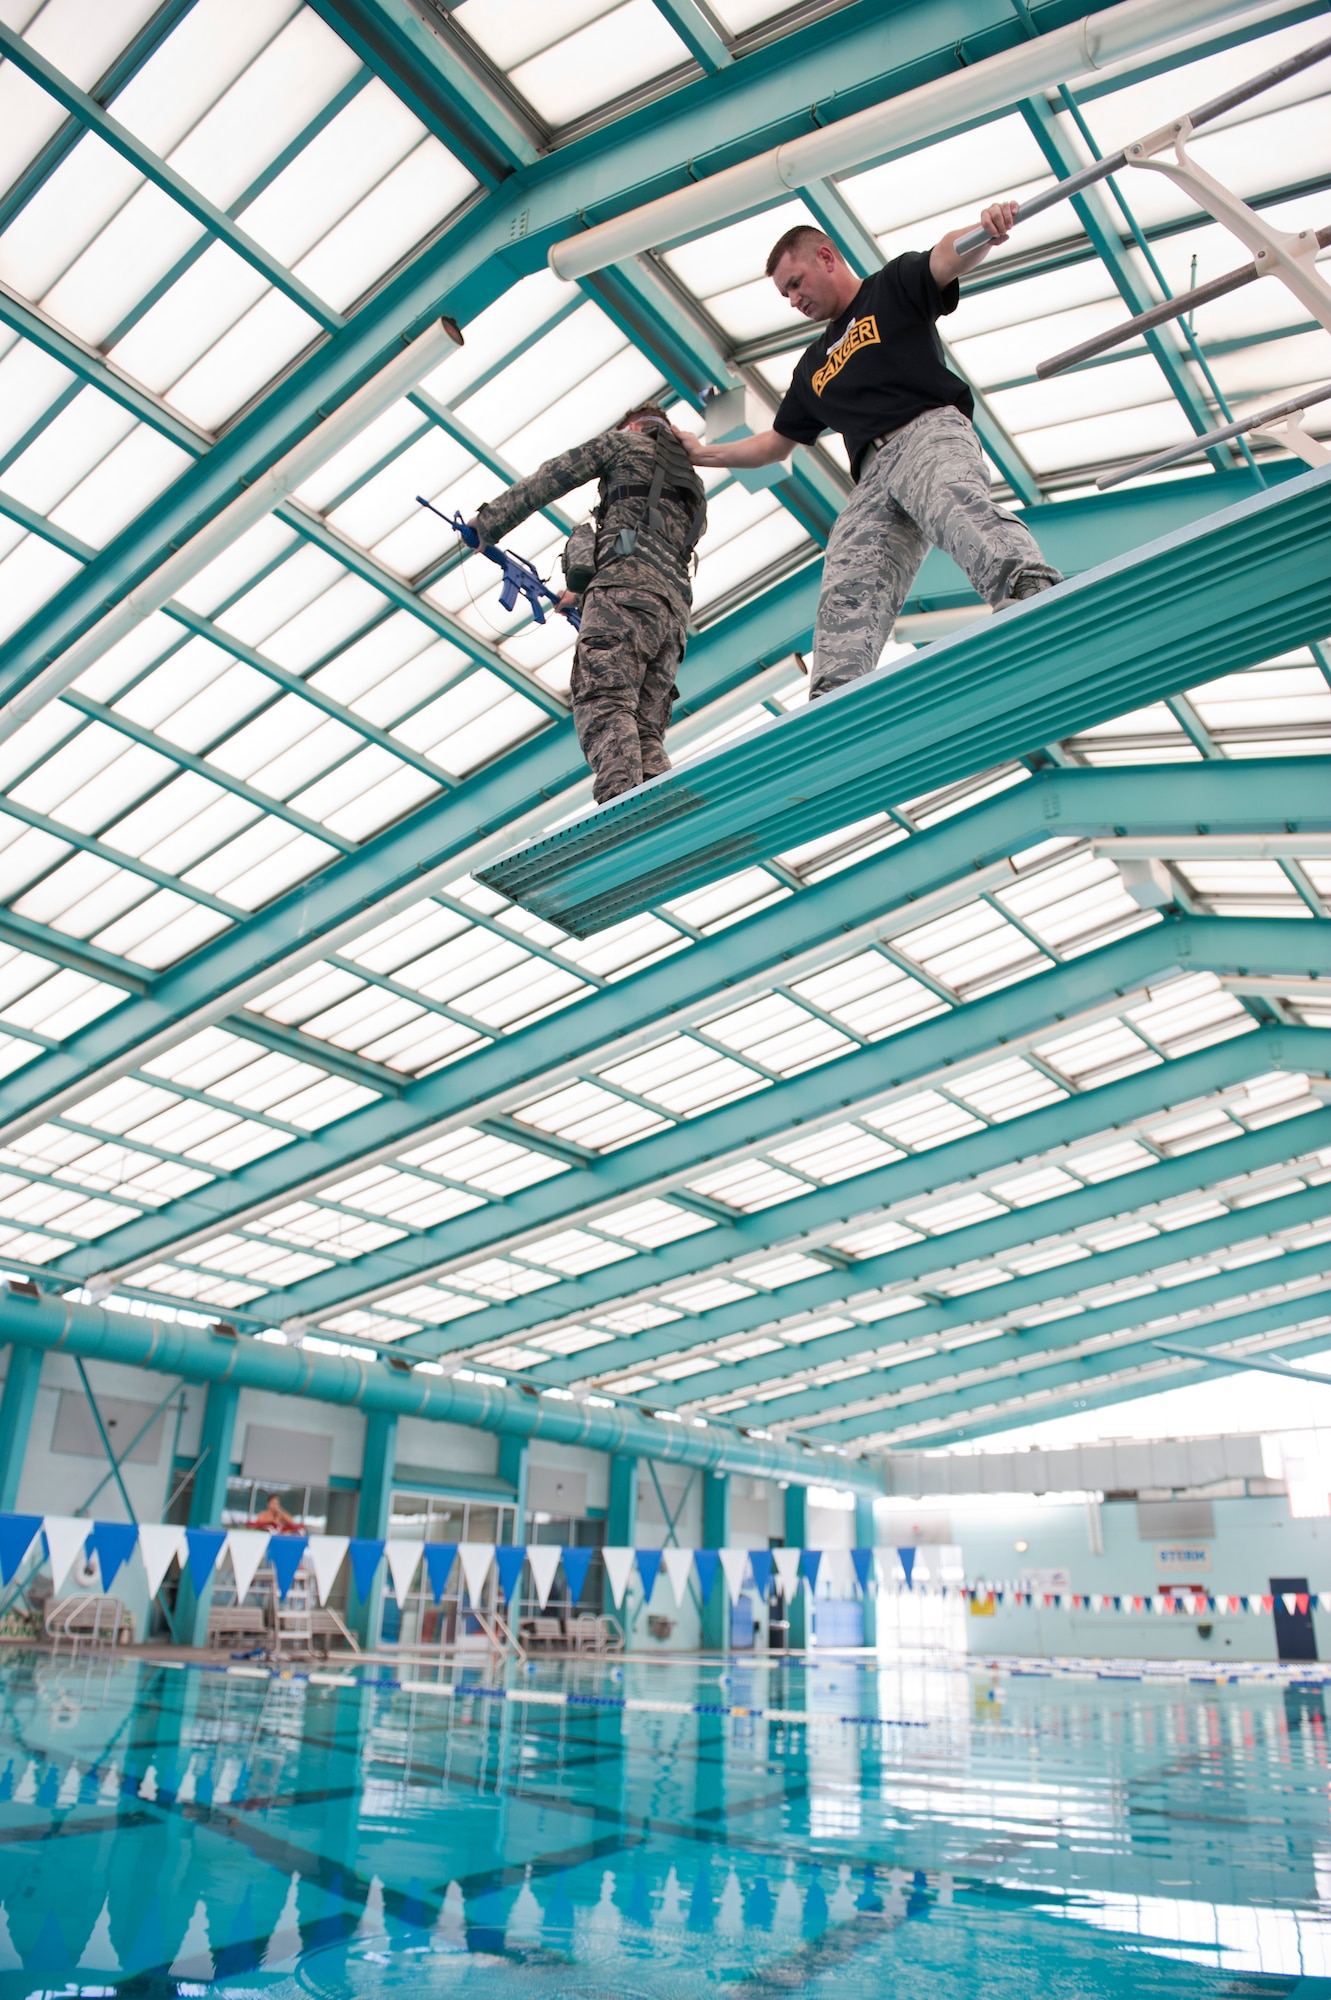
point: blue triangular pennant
(508, 1562)
(284, 1553)
(810, 1563)
(863, 1561)
(114, 1542)
(760, 1562)
(439, 1558)
(16, 1538)
(707, 1562)
(906, 1557)
(366, 1557)
(577, 1562)
(649, 1568)
(205, 1546)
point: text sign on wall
(1182, 1558)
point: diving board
(1226, 591)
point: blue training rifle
(520, 579)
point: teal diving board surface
(1222, 593)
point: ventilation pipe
(390, 1387)
(892, 127)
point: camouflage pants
(629, 649)
(927, 483)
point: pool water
(188, 1832)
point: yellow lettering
(864, 333)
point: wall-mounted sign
(1182, 1558)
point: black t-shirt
(878, 365)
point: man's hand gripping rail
(520, 579)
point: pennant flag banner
(439, 1560)
(678, 1565)
(543, 1562)
(509, 1559)
(64, 1538)
(286, 1553)
(576, 1562)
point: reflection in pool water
(180, 1832)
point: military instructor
(631, 568)
(878, 375)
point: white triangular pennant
(1289, 1601)
(734, 1565)
(325, 1556)
(619, 1568)
(403, 1559)
(543, 1560)
(678, 1566)
(64, 1542)
(476, 1558)
(247, 1548)
(157, 1546)
(787, 1564)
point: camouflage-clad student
(631, 569)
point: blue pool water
(167, 1832)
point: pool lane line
(544, 1697)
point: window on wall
(442, 1517)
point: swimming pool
(168, 1831)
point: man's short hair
(795, 239)
(652, 410)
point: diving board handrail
(1307, 448)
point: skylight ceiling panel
(685, 1077)
(82, 757)
(266, 743)
(1007, 1090)
(1191, 1012)
(278, 596)
(29, 575)
(1081, 393)
(180, 814)
(1274, 370)
(1094, 904)
(654, 1222)
(751, 1185)
(837, 1154)
(522, 994)
(64, 215)
(1115, 435)
(404, 937)
(212, 46)
(1289, 697)
(1047, 228)
(64, 1004)
(237, 565)
(871, 995)
(115, 788)
(779, 1035)
(392, 219)
(923, 1121)
(378, 512)
(497, 331)
(947, 173)
(84, 896)
(260, 863)
(130, 254)
(1239, 888)
(545, 371)
(329, 621)
(463, 961)
(64, 1208)
(161, 930)
(485, 1161)
(1010, 351)
(131, 475)
(389, 669)
(971, 950)
(725, 902)
(339, 167)
(505, 719)
(243, 360)
(736, 254)
(366, 794)
(623, 47)
(217, 290)
(1097, 1054)
(574, 1251)
(69, 446)
(500, 1278)
(705, 1297)
(25, 853)
(592, 406)
(592, 1117)
(26, 1247)
(1147, 735)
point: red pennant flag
(1302, 1600)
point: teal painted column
(207, 1501)
(16, 1408)
(513, 1454)
(621, 1518)
(866, 1537)
(376, 1498)
(797, 1530)
(716, 1535)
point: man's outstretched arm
(550, 481)
(764, 449)
(944, 263)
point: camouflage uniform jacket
(618, 458)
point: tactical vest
(672, 472)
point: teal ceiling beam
(1081, 1209)
(1269, 1364)
(439, 76)
(778, 1111)
(96, 119)
(1002, 1306)
(699, 30)
(459, 1094)
(1131, 631)
(1095, 1383)
(793, 85)
(398, 866)
(977, 1371)
(378, 1387)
